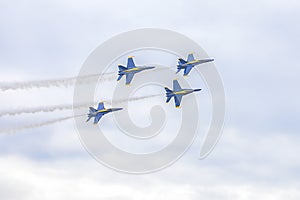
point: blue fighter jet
(99, 112)
(190, 63)
(131, 70)
(177, 93)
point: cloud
(232, 172)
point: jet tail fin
(168, 90)
(169, 94)
(121, 68)
(181, 61)
(92, 110)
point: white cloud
(232, 172)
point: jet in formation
(190, 63)
(130, 70)
(178, 93)
(99, 112)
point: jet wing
(130, 63)
(176, 85)
(100, 106)
(187, 70)
(190, 57)
(129, 77)
(97, 118)
(177, 100)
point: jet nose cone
(151, 67)
(196, 90)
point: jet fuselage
(105, 111)
(196, 62)
(135, 70)
(185, 91)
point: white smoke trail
(63, 82)
(69, 106)
(60, 107)
(32, 126)
(119, 101)
(42, 109)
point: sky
(255, 45)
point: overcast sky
(256, 49)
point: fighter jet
(131, 70)
(99, 112)
(190, 63)
(178, 93)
